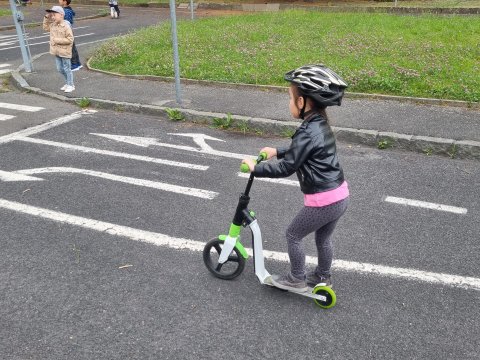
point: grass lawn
(369, 3)
(425, 56)
(5, 12)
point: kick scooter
(225, 256)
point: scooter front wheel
(230, 269)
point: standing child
(69, 16)
(312, 155)
(61, 40)
(114, 9)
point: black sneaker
(314, 279)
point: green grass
(426, 56)
(366, 3)
(5, 12)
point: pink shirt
(327, 197)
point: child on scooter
(312, 155)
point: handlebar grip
(244, 168)
(262, 156)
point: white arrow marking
(12, 176)
(20, 107)
(205, 194)
(456, 281)
(112, 153)
(4, 117)
(199, 139)
(43, 127)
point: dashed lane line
(456, 281)
(426, 205)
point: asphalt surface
(67, 293)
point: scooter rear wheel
(331, 298)
(230, 269)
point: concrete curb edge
(464, 149)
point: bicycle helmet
(319, 83)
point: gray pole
(191, 8)
(18, 16)
(176, 61)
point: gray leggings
(322, 221)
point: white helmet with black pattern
(319, 83)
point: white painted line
(199, 139)
(43, 42)
(4, 65)
(20, 107)
(43, 127)
(11, 176)
(204, 194)
(426, 205)
(271, 180)
(113, 153)
(4, 117)
(158, 239)
(5, 71)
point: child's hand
(250, 163)
(271, 152)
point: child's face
(62, 3)
(57, 17)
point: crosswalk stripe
(4, 65)
(20, 107)
(5, 117)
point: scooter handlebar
(261, 157)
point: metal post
(191, 8)
(18, 16)
(176, 61)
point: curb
(463, 149)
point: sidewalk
(431, 129)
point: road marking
(11, 176)
(112, 153)
(20, 107)
(5, 71)
(426, 205)
(198, 139)
(43, 42)
(22, 175)
(272, 180)
(43, 127)
(4, 117)
(469, 283)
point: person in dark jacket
(69, 16)
(312, 155)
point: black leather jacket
(312, 155)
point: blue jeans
(64, 68)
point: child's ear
(300, 102)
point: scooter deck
(309, 293)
